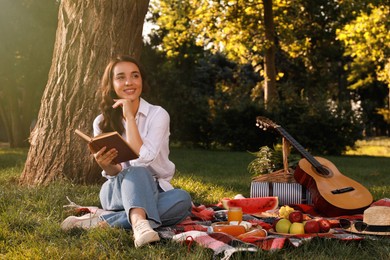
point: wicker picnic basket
(281, 183)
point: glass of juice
(235, 214)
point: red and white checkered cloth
(198, 230)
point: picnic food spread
(288, 220)
(284, 220)
(208, 227)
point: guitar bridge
(343, 190)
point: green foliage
(212, 98)
(322, 128)
(213, 108)
(367, 41)
(205, 65)
(266, 161)
(235, 29)
(309, 62)
(269, 160)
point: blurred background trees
(205, 61)
(319, 103)
(27, 29)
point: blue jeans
(135, 187)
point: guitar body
(333, 194)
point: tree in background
(88, 34)
(27, 29)
(242, 30)
(205, 92)
(203, 60)
(367, 42)
(309, 60)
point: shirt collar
(143, 107)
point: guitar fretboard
(317, 165)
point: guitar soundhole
(323, 171)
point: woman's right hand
(105, 160)
(127, 107)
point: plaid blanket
(226, 245)
(197, 230)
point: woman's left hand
(105, 159)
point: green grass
(30, 217)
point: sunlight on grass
(380, 191)
(10, 174)
(201, 192)
(379, 146)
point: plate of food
(313, 227)
(273, 232)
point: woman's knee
(174, 206)
(184, 198)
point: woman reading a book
(139, 190)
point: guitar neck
(317, 165)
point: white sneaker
(86, 221)
(144, 234)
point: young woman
(139, 191)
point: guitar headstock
(264, 123)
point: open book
(110, 140)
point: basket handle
(286, 147)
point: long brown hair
(112, 118)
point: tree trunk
(270, 92)
(88, 34)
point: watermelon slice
(382, 202)
(253, 205)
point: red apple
(324, 225)
(295, 216)
(312, 226)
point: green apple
(283, 226)
(297, 228)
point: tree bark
(89, 33)
(270, 92)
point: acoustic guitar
(333, 194)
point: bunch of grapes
(284, 211)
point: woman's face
(127, 80)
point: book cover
(110, 140)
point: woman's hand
(127, 107)
(105, 160)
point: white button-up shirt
(153, 126)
